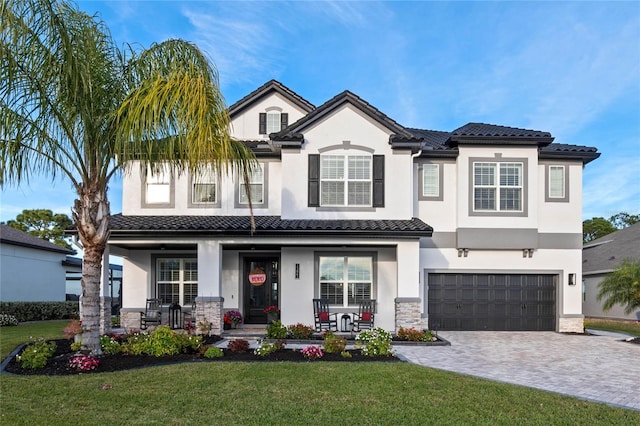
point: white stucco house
(478, 228)
(31, 269)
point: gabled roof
(266, 226)
(9, 235)
(605, 254)
(481, 133)
(400, 137)
(265, 90)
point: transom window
(256, 186)
(431, 180)
(556, 182)
(345, 280)
(345, 180)
(205, 187)
(177, 280)
(497, 186)
(158, 186)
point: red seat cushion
(366, 316)
(323, 315)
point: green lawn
(632, 328)
(286, 393)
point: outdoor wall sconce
(527, 252)
(463, 252)
(297, 271)
(572, 279)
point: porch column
(408, 303)
(209, 302)
(105, 295)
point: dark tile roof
(606, 253)
(492, 130)
(266, 226)
(9, 235)
(265, 89)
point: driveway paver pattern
(599, 368)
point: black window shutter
(284, 120)
(262, 123)
(314, 180)
(378, 181)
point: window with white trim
(158, 186)
(497, 186)
(556, 182)
(345, 280)
(205, 187)
(431, 180)
(345, 180)
(273, 122)
(177, 280)
(256, 186)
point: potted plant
(232, 318)
(272, 313)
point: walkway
(597, 368)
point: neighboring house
(475, 229)
(73, 267)
(599, 258)
(31, 268)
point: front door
(261, 279)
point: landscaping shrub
(110, 345)
(6, 319)
(239, 345)
(413, 335)
(299, 331)
(40, 311)
(83, 363)
(213, 352)
(312, 352)
(376, 342)
(333, 344)
(266, 347)
(36, 354)
(189, 342)
(74, 328)
(161, 342)
(276, 330)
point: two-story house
(475, 229)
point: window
(177, 280)
(345, 180)
(345, 280)
(158, 186)
(497, 187)
(272, 121)
(431, 180)
(557, 188)
(204, 187)
(256, 186)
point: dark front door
(261, 278)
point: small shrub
(83, 363)
(40, 311)
(76, 346)
(345, 354)
(413, 335)
(115, 321)
(74, 328)
(161, 342)
(299, 331)
(6, 319)
(376, 342)
(213, 352)
(276, 330)
(312, 352)
(239, 345)
(333, 344)
(265, 348)
(36, 354)
(110, 345)
(204, 327)
(190, 343)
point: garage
(494, 302)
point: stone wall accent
(210, 308)
(130, 319)
(408, 312)
(105, 315)
(571, 324)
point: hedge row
(40, 311)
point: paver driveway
(599, 368)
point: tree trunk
(91, 215)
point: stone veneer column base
(130, 319)
(210, 308)
(408, 312)
(105, 315)
(571, 324)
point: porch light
(572, 279)
(345, 323)
(297, 271)
(175, 316)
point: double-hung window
(345, 280)
(430, 180)
(256, 186)
(177, 280)
(158, 186)
(498, 186)
(205, 187)
(556, 182)
(345, 180)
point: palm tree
(74, 104)
(622, 286)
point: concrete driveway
(598, 368)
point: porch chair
(323, 319)
(364, 318)
(152, 315)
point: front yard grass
(628, 327)
(285, 393)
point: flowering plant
(232, 317)
(83, 363)
(312, 352)
(74, 328)
(273, 309)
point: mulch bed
(58, 364)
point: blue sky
(570, 68)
